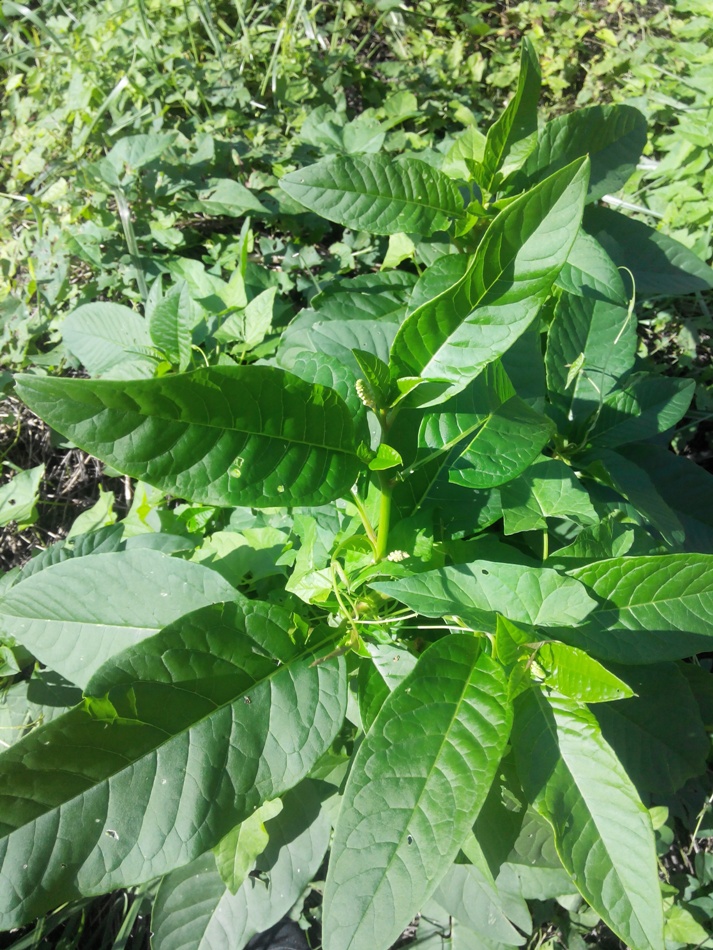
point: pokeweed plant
(489, 569)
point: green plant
(435, 577)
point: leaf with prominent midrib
(603, 832)
(643, 407)
(491, 433)
(110, 340)
(415, 787)
(548, 489)
(378, 194)
(227, 435)
(654, 607)
(613, 136)
(194, 909)
(186, 735)
(518, 121)
(479, 591)
(76, 614)
(363, 313)
(473, 313)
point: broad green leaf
(437, 929)
(644, 407)
(469, 893)
(225, 196)
(464, 155)
(228, 435)
(133, 152)
(516, 123)
(401, 248)
(683, 928)
(684, 486)
(359, 314)
(590, 272)
(603, 335)
(379, 676)
(26, 704)
(605, 540)
(110, 341)
(195, 911)
(432, 751)
(612, 136)
(100, 515)
(652, 608)
(250, 325)
(548, 489)
(462, 323)
(495, 435)
(386, 457)
(311, 579)
(524, 362)
(576, 675)
(330, 132)
(18, 497)
(521, 845)
(658, 735)
(635, 485)
(659, 264)
(510, 640)
(184, 734)
(603, 832)
(236, 853)
(533, 866)
(503, 447)
(101, 541)
(75, 615)
(378, 194)
(170, 328)
(479, 591)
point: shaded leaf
(193, 907)
(658, 735)
(659, 264)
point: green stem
(365, 519)
(382, 539)
(545, 545)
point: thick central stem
(382, 538)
